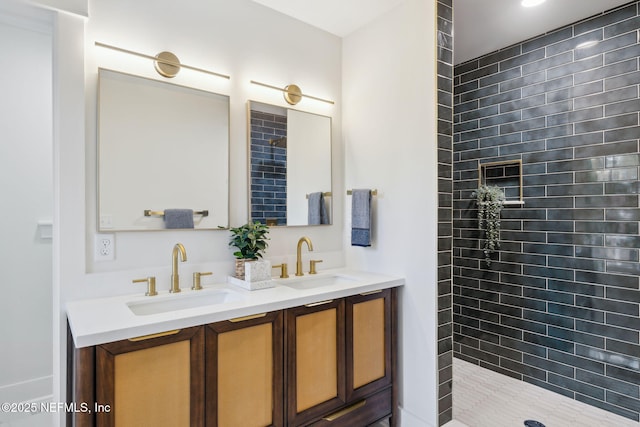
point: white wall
(27, 198)
(389, 116)
(239, 38)
(246, 41)
(388, 76)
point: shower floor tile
(484, 398)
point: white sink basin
(313, 282)
(182, 302)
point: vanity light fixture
(531, 3)
(166, 63)
(292, 93)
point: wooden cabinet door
(245, 372)
(154, 381)
(369, 341)
(314, 360)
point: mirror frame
(156, 222)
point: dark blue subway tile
(550, 85)
(607, 175)
(549, 342)
(607, 123)
(607, 201)
(607, 331)
(523, 103)
(548, 62)
(623, 53)
(616, 69)
(479, 93)
(630, 322)
(621, 254)
(608, 279)
(625, 369)
(621, 294)
(578, 263)
(624, 400)
(576, 238)
(623, 160)
(575, 140)
(577, 361)
(607, 19)
(550, 273)
(608, 46)
(577, 337)
(569, 43)
(621, 134)
(603, 304)
(501, 55)
(577, 386)
(622, 187)
(576, 312)
(619, 25)
(549, 319)
(607, 97)
(624, 147)
(576, 68)
(622, 267)
(624, 80)
(500, 76)
(631, 351)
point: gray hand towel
(361, 218)
(317, 209)
(178, 218)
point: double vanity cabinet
(325, 362)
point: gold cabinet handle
(315, 304)
(158, 335)
(196, 280)
(251, 316)
(345, 411)
(364, 294)
(151, 285)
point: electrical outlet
(104, 247)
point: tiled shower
(559, 305)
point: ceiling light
(531, 3)
(587, 44)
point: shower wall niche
(560, 306)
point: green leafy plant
(490, 200)
(250, 240)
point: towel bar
(373, 192)
(327, 194)
(149, 212)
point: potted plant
(490, 200)
(250, 240)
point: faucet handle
(196, 280)
(151, 285)
(312, 266)
(284, 270)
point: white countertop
(102, 320)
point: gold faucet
(299, 254)
(175, 278)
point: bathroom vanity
(317, 350)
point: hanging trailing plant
(490, 200)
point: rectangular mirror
(160, 146)
(289, 166)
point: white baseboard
(407, 419)
(35, 390)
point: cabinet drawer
(360, 413)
